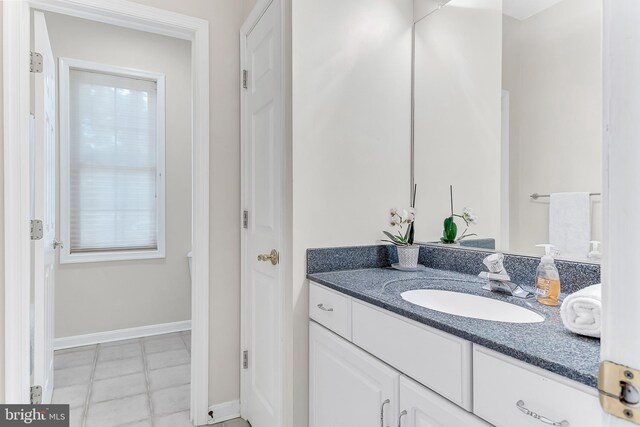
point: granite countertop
(547, 345)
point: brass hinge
(36, 395)
(619, 389)
(35, 62)
(36, 229)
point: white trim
(66, 257)
(620, 341)
(17, 278)
(224, 411)
(505, 198)
(121, 334)
(16, 46)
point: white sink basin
(472, 306)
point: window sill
(66, 258)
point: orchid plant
(449, 235)
(399, 220)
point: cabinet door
(424, 408)
(347, 386)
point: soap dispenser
(595, 250)
(547, 279)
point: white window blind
(113, 162)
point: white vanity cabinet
(350, 388)
(436, 359)
(391, 371)
(508, 392)
(347, 386)
(421, 407)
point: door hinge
(245, 359)
(36, 395)
(36, 229)
(245, 79)
(35, 64)
(245, 219)
(619, 390)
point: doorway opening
(120, 223)
(91, 186)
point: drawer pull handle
(386, 402)
(323, 308)
(402, 414)
(520, 405)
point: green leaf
(450, 230)
(406, 235)
(393, 238)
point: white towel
(570, 224)
(581, 311)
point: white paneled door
(44, 209)
(262, 296)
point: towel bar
(536, 196)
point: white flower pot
(408, 256)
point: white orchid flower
(469, 216)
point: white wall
(142, 292)
(351, 138)
(458, 116)
(225, 19)
(553, 71)
(422, 8)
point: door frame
(286, 228)
(16, 45)
(620, 341)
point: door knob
(57, 244)
(274, 257)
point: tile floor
(233, 423)
(134, 383)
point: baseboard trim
(120, 334)
(224, 411)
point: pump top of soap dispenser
(548, 257)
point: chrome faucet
(498, 278)
(508, 288)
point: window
(111, 163)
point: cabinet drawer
(504, 389)
(331, 309)
(434, 358)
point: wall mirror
(508, 111)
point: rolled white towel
(581, 311)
